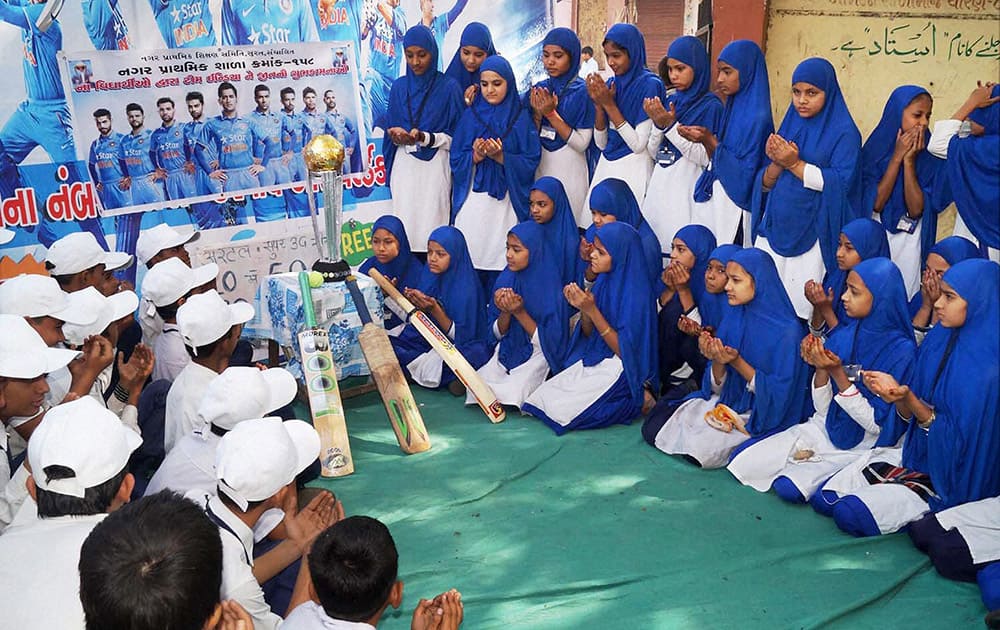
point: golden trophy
(324, 158)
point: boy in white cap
(155, 245)
(79, 457)
(39, 300)
(77, 261)
(255, 467)
(238, 394)
(210, 329)
(165, 288)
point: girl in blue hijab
(945, 253)
(737, 150)
(860, 239)
(424, 107)
(528, 316)
(874, 335)
(564, 116)
(813, 179)
(585, 275)
(612, 200)
(393, 258)
(669, 203)
(450, 293)
(474, 47)
(550, 208)
(757, 383)
(621, 125)
(493, 157)
(972, 174)
(681, 364)
(611, 366)
(713, 303)
(951, 405)
(899, 177)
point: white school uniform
(721, 215)
(189, 465)
(513, 386)
(571, 392)
(568, 164)
(171, 354)
(904, 250)
(426, 369)
(635, 168)
(669, 203)
(421, 191)
(760, 464)
(40, 573)
(687, 433)
(311, 616)
(183, 400)
(485, 221)
(13, 496)
(979, 524)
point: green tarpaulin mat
(599, 530)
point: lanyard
(415, 120)
(224, 525)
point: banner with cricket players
(185, 133)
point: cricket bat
(404, 416)
(323, 392)
(446, 349)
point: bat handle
(391, 291)
(359, 300)
(308, 311)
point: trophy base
(332, 270)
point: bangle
(606, 331)
(121, 393)
(623, 123)
(926, 425)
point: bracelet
(623, 123)
(926, 425)
(121, 393)
(606, 331)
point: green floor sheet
(599, 530)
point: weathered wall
(592, 16)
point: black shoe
(993, 619)
(456, 388)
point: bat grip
(308, 311)
(359, 300)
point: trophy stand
(324, 158)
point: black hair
(226, 85)
(102, 112)
(164, 99)
(134, 107)
(588, 50)
(287, 90)
(96, 499)
(329, 92)
(169, 311)
(260, 87)
(208, 349)
(353, 566)
(195, 96)
(663, 71)
(155, 564)
(614, 45)
(308, 90)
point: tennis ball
(315, 279)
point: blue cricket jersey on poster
(269, 128)
(136, 153)
(316, 123)
(340, 21)
(293, 130)
(259, 22)
(40, 63)
(170, 150)
(184, 23)
(385, 43)
(201, 152)
(342, 129)
(439, 28)
(234, 140)
(105, 161)
(105, 24)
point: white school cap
(261, 456)
(85, 437)
(171, 280)
(158, 238)
(78, 252)
(6, 235)
(34, 295)
(206, 317)
(107, 310)
(242, 393)
(23, 353)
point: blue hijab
(793, 217)
(574, 106)
(973, 176)
(875, 156)
(701, 241)
(696, 105)
(613, 196)
(767, 333)
(745, 127)
(881, 341)
(562, 237)
(405, 267)
(954, 249)
(458, 288)
(522, 151)
(713, 306)
(869, 240)
(632, 88)
(623, 296)
(543, 300)
(959, 451)
(430, 101)
(475, 34)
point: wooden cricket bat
(404, 416)
(323, 391)
(446, 349)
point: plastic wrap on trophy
(324, 158)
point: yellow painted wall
(877, 45)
